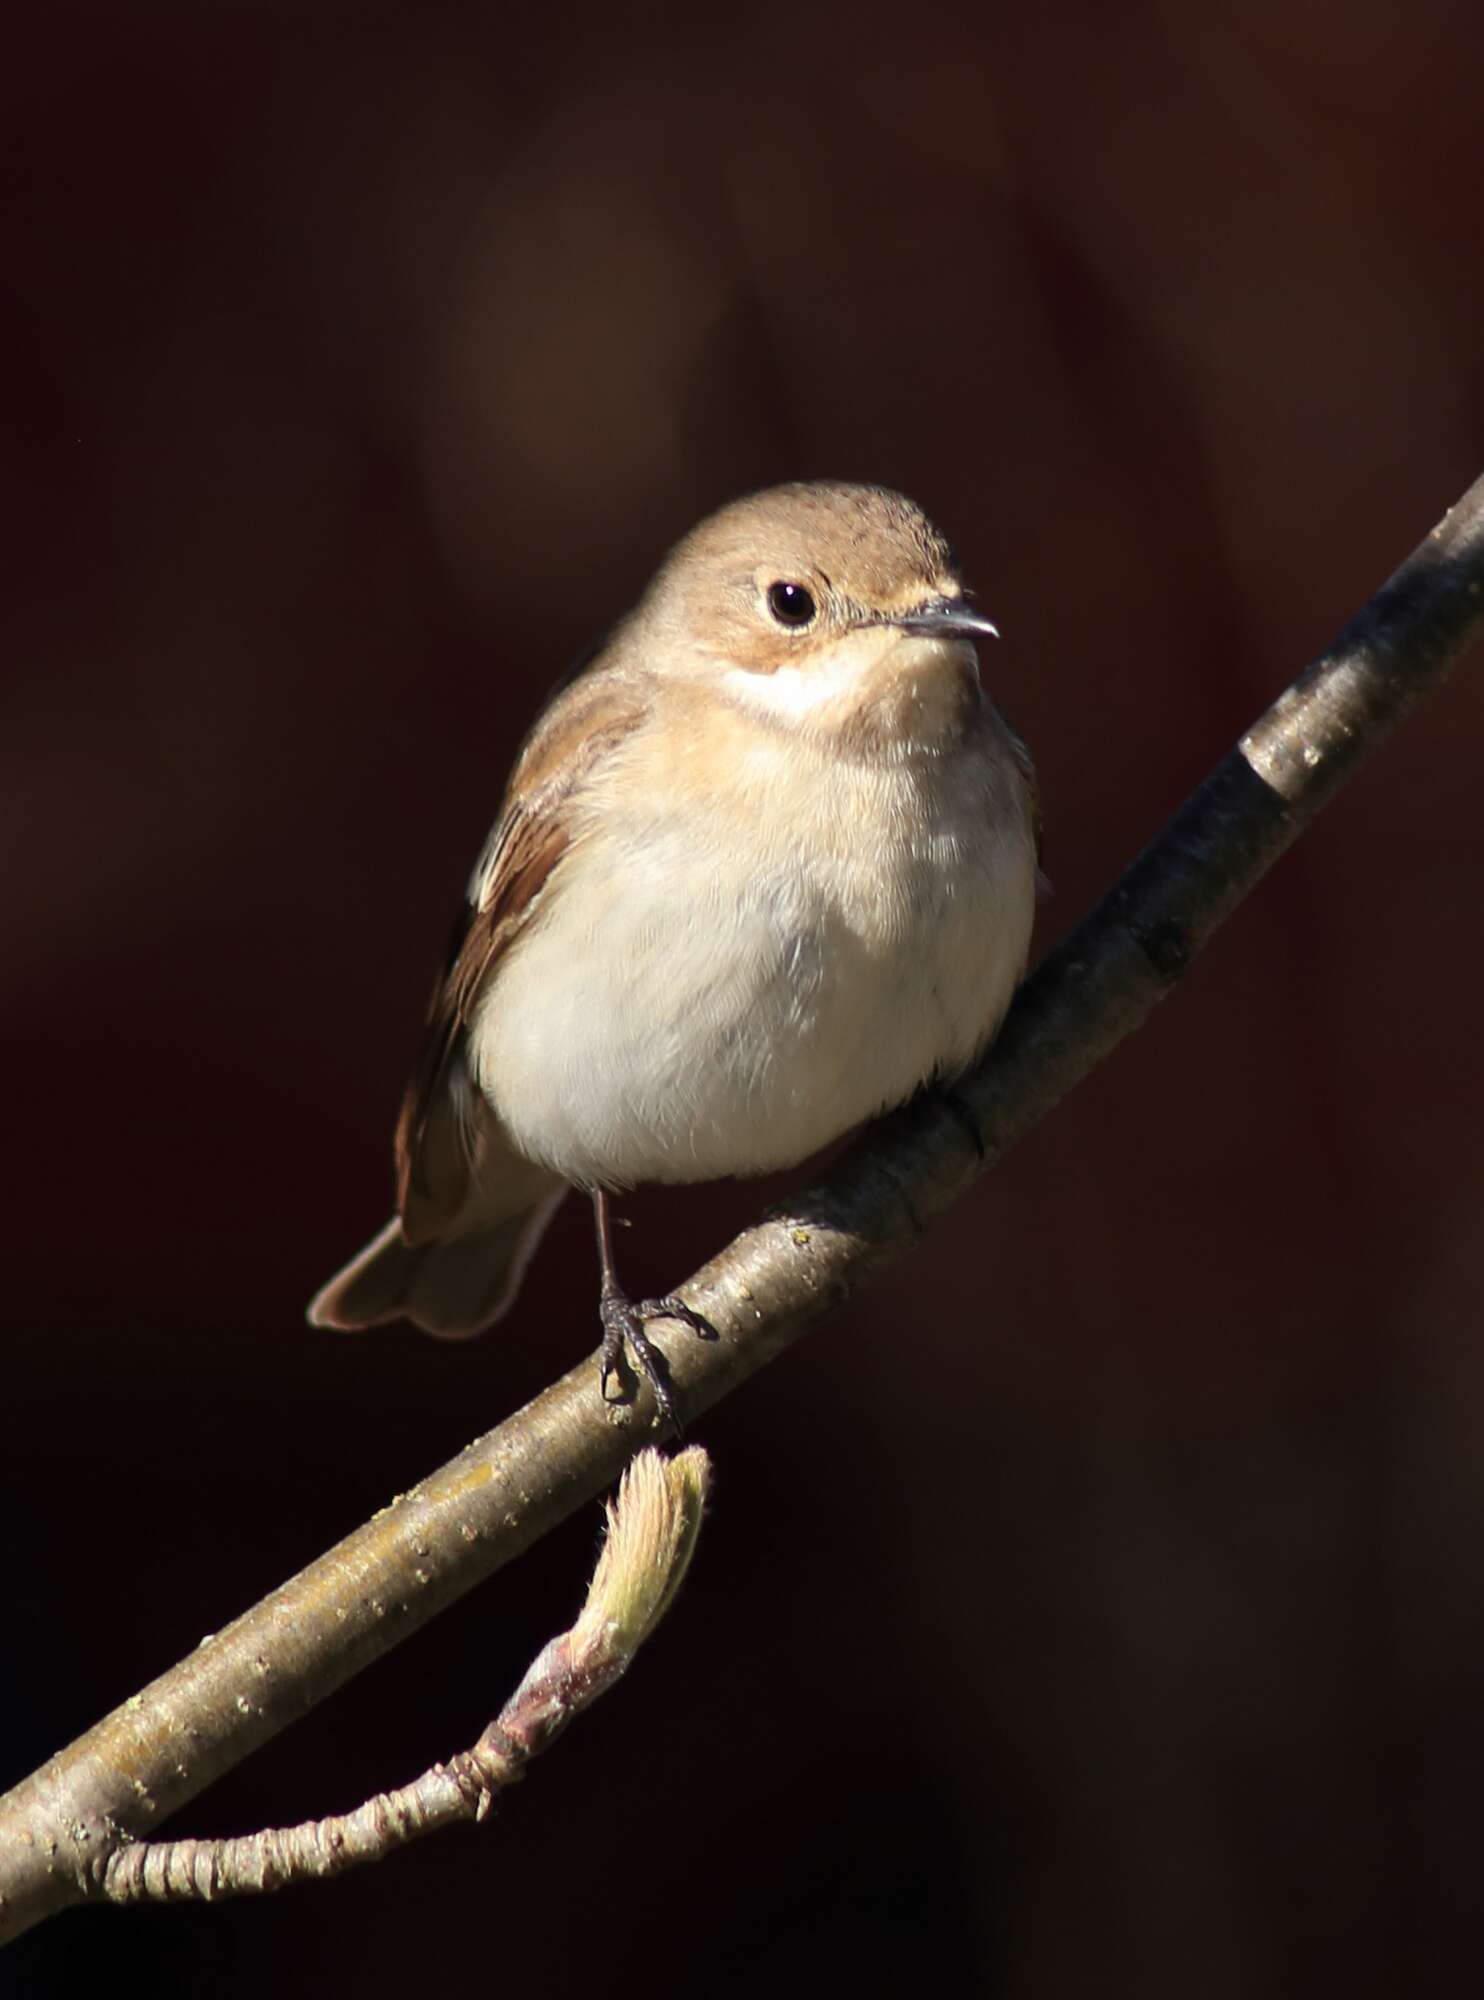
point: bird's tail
(452, 1286)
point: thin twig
(776, 1280)
(652, 1530)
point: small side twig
(652, 1530)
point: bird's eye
(791, 604)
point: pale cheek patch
(793, 693)
(790, 693)
(910, 689)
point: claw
(673, 1308)
(623, 1327)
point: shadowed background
(1096, 1604)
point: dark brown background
(1095, 1607)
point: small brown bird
(766, 866)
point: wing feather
(437, 1132)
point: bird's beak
(947, 618)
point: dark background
(1096, 1606)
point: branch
(652, 1530)
(776, 1280)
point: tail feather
(452, 1286)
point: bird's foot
(623, 1327)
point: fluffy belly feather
(679, 1013)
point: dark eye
(790, 603)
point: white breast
(745, 955)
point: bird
(765, 867)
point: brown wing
(436, 1131)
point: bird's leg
(623, 1324)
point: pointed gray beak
(947, 618)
